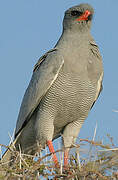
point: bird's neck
(70, 38)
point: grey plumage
(64, 86)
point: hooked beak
(84, 16)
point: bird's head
(78, 17)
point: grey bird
(65, 84)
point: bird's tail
(7, 157)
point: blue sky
(30, 28)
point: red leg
(66, 152)
(51, 149)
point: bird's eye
(76, 13)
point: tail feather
(9, 153)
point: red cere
(84, 16)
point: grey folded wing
(45, 73)
(99, 68)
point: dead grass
(89, 160)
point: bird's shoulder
(94, 49)
(42, 58)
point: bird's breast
(69, 98)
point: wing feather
(45, 73)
